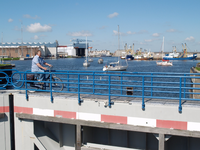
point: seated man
(37, 65)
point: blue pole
(26, 87)
(180, 106)
(121, 84)
(109, 101)
(93, 83)
(51, 88)
(184, 86)
(68, 80)
(151, 84)
(143, 104)
(79, 98)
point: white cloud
(156, 34)
(36, 37)
(115, 14)
(191, 38)
(81, 33)
(10, 20)
(171, 30)
(129, 32)
(37, 27)
(30, 17)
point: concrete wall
(4, 123)
(124, 125)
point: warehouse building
(28, 49)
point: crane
(79, 40)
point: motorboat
(114, 66)
(86, 63)
(100, 61)
(164, 63)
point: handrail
(154, 85)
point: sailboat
(86, 63)
(163, 62)
(116, 66)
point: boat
(116, 66)
(164, 62)
(181, 56)
(86, 63)
(123, 55)
(90, 59)
(100, 61)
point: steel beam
(106, 125)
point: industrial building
(28, 49)
(75, 49)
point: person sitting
(37, 66)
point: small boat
(86, 64)
(90, 60)
(164, 62)
(123, 55)
(114, 66)
(100, 61)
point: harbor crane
(79, 40)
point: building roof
(47, 44)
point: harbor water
(133, 66)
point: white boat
(163, 62)
(90, 60)
(100, 61)
(116, 66)
(86, 63)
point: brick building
(18, 51)
(28, 49)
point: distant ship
(181, 56)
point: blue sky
(142, 22)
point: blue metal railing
(144, 85)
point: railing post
(26, 86)
(51, 87)
(109, 91)
(180, 95)
(67, 80)
(79, 97)
(143, 104)
(184, 85)
(93, 83)
(121, 84)
(151, 84)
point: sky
(142, 22)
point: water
(134, 66)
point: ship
(182, 56)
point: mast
(118, 42)
(22, 38)
(86, 49)
(2, 44)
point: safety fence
(143, 85)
